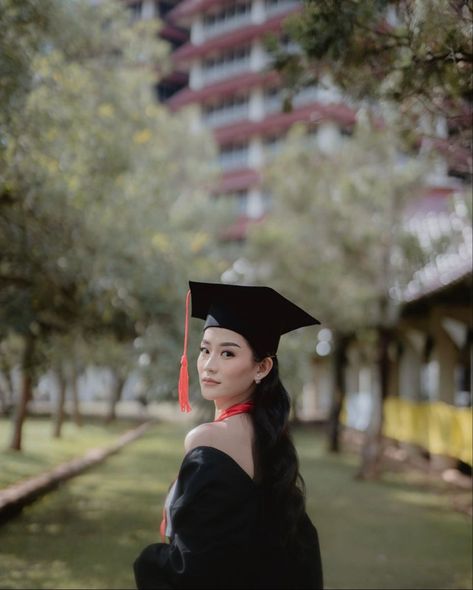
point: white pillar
(410, 367)
(256, 105)
(148, 10)
(196, 79)
(257, 12)
(255, 204)
(197, 31)
(328, 138)
(258, 57)
(255, 153)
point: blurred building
(236, 92)
(174, 35)
(429, 404)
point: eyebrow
(223, 343)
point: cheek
(241, 371)
(200, 363)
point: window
(229, 109)
(234, 156)
(272, 6)
(227, 64)
(224, 19)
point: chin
(207, 394)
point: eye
(227, 354)
(204, 350)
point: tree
(336, 238)
(100, 188)
(415, 55)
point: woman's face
(226, 366)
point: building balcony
(175, 77)
(210, 75)
(238, 231)
(273, 100)
(226, 116)
(223, 88)
(187, 9)
(280, 122)
(273, 7)
(235, 38)
(238, 179)
(233, 159)
(209, 31)
(174, 34)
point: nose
(210, 364)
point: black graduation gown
(218, 540)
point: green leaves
(335, 237)
(417, 54)
(103, 200)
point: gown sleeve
(213, 515)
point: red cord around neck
(243, 408)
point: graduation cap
(259, 314)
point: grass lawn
(388, 534)
(400, 532)
(41, 452)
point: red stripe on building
(224, 88)
(188, 8)
(279, 122)
(237, 180)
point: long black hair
(276, 460)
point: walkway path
(391, 534)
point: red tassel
(183, 387)
(162, 526)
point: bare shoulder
(234, 439)
(204, 435)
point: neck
(223, 404)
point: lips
(210, 382)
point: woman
(235, 516)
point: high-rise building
(173, 34)
(238, 94)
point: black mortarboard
(260, 314)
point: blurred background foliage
(105, 210)
(416, 55)
(106, 213)
(104, 205)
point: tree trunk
(6, 392)
(10, 391)
(372, 449)
(338, 397)
(61, 397)
(76, 415)
(115, 396)
(3, 402)
(25, 393)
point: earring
(257, 381)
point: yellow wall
(440, 428)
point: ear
(264, 367)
